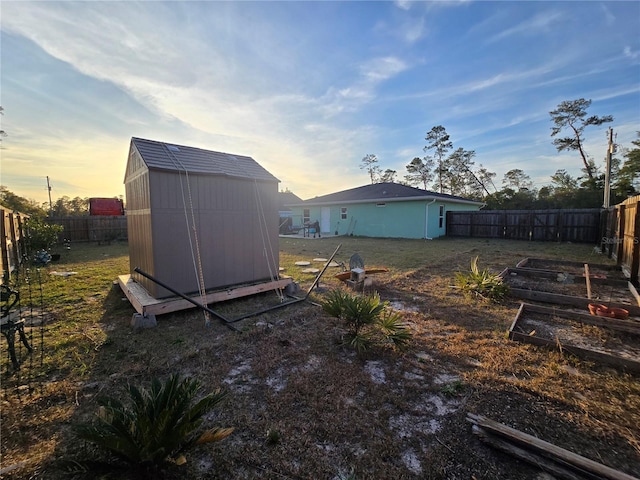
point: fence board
(90, 228)
(576, 225)
(621, 239)
(13, 242)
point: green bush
(368, 320)
(156, 424)
(481, 283)
(41, 235)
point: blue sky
(306, 88)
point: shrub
(368, 320)
(40, 234)
(481, 283)
(156, 424)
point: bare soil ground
(386, 414)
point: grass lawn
(303, 406)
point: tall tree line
(453, 171)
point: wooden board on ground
(547, 456)
(542, 287)
(603, 340)
(143, 302)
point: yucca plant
(481, 283)
(393, 329)
(156, 424)
(368, 320)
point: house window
(441, 217)
(381, 204)
(343, 213)
(306, 216)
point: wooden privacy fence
(13, 241)
(575, 225)
(621, 235)
(92, 228)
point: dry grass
(302, 405)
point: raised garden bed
(573, 268)
(603, 340)
(567, 289)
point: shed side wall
(228, 215)
(139, 225)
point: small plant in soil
(157, 424)
(481, 283)
(452, 389)
(273, 437)
(368, 320)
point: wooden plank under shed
(143, 302)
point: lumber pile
(548, 457)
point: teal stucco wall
(404, 219)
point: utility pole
(50, 204)
(607, 171)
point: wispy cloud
(609, 17)
(352, 97)
(306, 98)
(539, 22)
(632, 54)
(403, 4)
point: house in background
(384, 210)
(175, 192)
(285, 213)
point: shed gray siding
(235, 220)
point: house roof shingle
(287, 198)
(167, 156)
(381, 192)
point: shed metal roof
(167, 156)
(382, 192)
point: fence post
(603, 232)
(635, 242)
(560, 226)
(14, 238)
(619, 237)
(6, 268)
(612, 230)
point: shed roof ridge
(166, 144)
(174, 157)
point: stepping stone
(319, 259)
(311, 270)
(303, 264)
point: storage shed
(176, 195)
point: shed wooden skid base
(143, 302)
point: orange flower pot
(593, 308)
